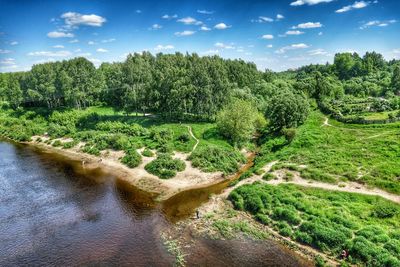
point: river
(55, 213)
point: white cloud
(210, 52)
(50, 54)
(377, 23)
(156, 27)
(206, 12)
(74, 19)
(2, 51)
(279, 17)
(56, 34)
(74, 41)
(269, 46)
(296, 32)
(262, 19)
(14, 43)
(267, 36)
(83, 54)
(163, 47)
(7, 61)
(101, 50)
(355, 5)
(205, 28)
(317, 52)
(185, 33)
(221, 26)
(223, 46)
(77, 50)
(308, 25)
(91, 43)
(138, 11)
(166, 16)
(58, 46)
(292, 47)
(320, 33)
(108, 40)
(309, 2)
(190, 21)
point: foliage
(147, 153)
(164, 166)
(326, 220)
(213, 158)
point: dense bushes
(132, 158)
(164, 166)
(327, 220)
(213, 158)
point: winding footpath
(194, 137)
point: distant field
(365, 153)
(375, 115)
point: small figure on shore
(83, 162)
(197, 214)
(100, 160)
(344, 254)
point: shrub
(393, 246)
(212, 158)
(57, 143)
(71, 144)
(262, 218)
(287, 215)
(164, 166)
(237, 200)
(289, 134)
(303, 237)
(184, 138)
(268, 176)
(147, 153)
(284, 229)
(385, 210)
(132, 158)
(90, 149)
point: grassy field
(340, 152)
(366, 226)
(103, 128)
(376, 115)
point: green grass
(375, 115)
(364, 153)
(367, 226)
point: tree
(395, 83)
(287, 110)
(237, 121)
(13, 92)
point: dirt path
(194, 137)
(326, 122)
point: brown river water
(54, 213)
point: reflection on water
(54, 213)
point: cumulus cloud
(296, 32)
(74, 19)
(355, 5)
(56, 34)
(7, 61)
(269, 46)
(166, 16)
(267, 36)
(2, 51)
(308, 25)
(58, 46)
(210, 52)
(221, 26)
(156, 27)
(205, 12)
(279, 17)
(185, 33)
(14, 43)
(309, 2)
(74, 41)
(101, 50)
(262, 19)
(164, 47)
(204, 28)
(318, 52)
(291, 47)
(108, 40)
(224, 46)
(377, 23)
(91, 43)
(50, 54)
(190, 21)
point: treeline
(172, 85)
(370, 75)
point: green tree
(237, 121)
(287, 110)
(13, 92)
(395, 83)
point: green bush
(184, 138)
(164, 166)
(71, 144)
(132, 158)
(387, 210)
(262, 218)
(213, 158)
(268, 176)
(287, 215)
(147, 153)
(90, 149)
(57, 143)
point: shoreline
(163, 189)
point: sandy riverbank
(108, 161)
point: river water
(54, 213)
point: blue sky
(274, 34)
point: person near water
(197, 214)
